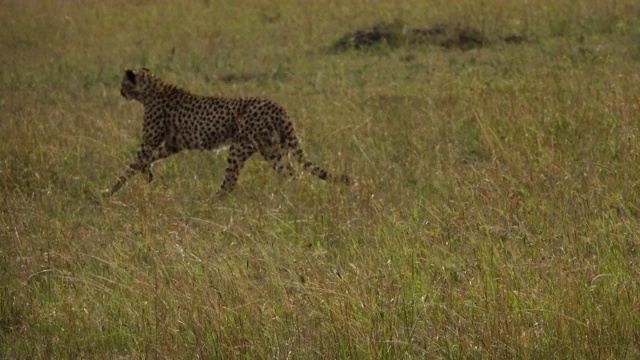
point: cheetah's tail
(313, 168)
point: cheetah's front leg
(141, 164)
(144, 159)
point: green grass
(496, 215)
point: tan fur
(175, 120)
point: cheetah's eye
(130, 75)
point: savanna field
(496, 145)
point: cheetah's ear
(130, 75)
(146, 69)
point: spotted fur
(176, 120)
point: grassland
(496, 215)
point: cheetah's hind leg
(238, 155)
(278, 158)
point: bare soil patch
(446, 35)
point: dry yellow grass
(496, 214)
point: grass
(496, 216)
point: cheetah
(176, 120)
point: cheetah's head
(136, 84)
